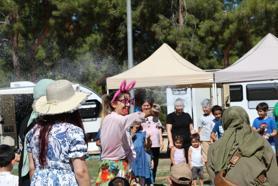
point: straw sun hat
(60, 98)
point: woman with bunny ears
(114, 141)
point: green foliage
(86, 40)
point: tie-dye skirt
(110, 169)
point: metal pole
(129, 34)
(129, 43)
(214, 92)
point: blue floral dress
(65, 142)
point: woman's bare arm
(31, 165)
(190, 157)
(169, 133)
(274, 133)
(81, 172)
(191, 127)
(172, 156)
(213, 136)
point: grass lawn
(162, 173)
(163, 170)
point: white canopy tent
(259, 63)
(164, 67)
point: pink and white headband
(124, 88)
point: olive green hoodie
(257, 155)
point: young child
(7, 159)
(150, 159)
(265, 125)
(118, 181)
(196, 160)
(177, 155)
(217, 130)
(141, 165)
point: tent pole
(129, 43)
(214, 91)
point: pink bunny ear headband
(124, 88)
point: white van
(16, 105)
(249, 94)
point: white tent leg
(214, 92)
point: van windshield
(15, 111)
(90, 109)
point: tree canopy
(86, 40)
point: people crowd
(224, 144)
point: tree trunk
(230, 45)
(226, 57)
(15, 58)
(181, 13)
(40, 39)
(13, 17)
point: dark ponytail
(45, 124)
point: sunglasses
(127, 101)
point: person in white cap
(56, 144)
(180, 175)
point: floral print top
(65, 142)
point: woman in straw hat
(56, 144)
(241, 156)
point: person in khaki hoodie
(241, 156)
